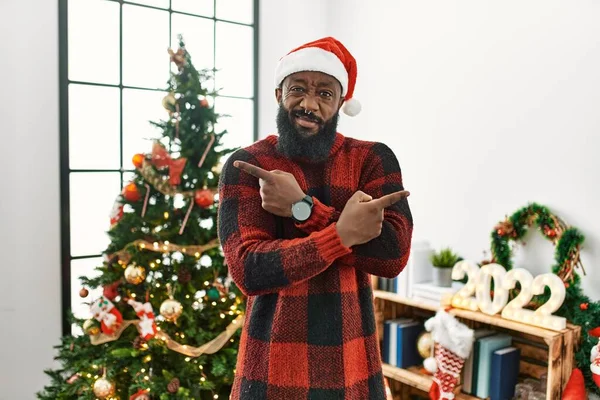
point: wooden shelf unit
(542, 350)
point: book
(406, 346)
(390, 340)
(468, 372)
(487, 346)
(504, 373)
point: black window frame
(66, 170)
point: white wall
(488, 105)
(284, 25)
(29, 213)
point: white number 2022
(479, 282)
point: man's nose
(309, 103)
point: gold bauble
(424, 344)
(90, 327)
(104, 388)
(171, 309)
(169, 102)
(135, 274)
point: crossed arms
(372, 232)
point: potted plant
(443, 261)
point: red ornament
(141, 394)
(584, 306)
(138, 160)
(567, 285)
(131, 193)
(501, 232)
(204, 103)
(551, 233)
(204, 198)
(111, 291)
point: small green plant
(445, 258)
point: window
(114, 69)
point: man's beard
(296, 142)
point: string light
(214, 303)
(143, 370)
(203, 379)
(222, 315)
(166, 215)
(206, 283)
(187, 359)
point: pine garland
(577, 307)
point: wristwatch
(302, 210)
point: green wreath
(577, 307)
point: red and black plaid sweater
(310, 327)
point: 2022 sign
(479, 283)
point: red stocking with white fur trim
(453, 344)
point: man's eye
(297, 89)
(326, 94)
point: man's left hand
(278, 189)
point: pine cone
(173, 386)
(138, 342)
(184, 276)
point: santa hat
(326, 55)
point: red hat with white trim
(326, 55)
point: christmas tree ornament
(206, 150)
(169, 102)
(142, 394)
(105, 312)
(135, 274)
(213, 293)
(111, 291)
(138, 160)
(425, 344)
(162, 159)
(575, 389)
(83, 293)
(171, 309)
(116, 212)
(204, 198)
(131, 193)
(173, 386)
(91, 327)
(147, 325)
(453, 343)
(184, 276)
(73, 379)
(204, 103)
(178, 58)
(103, 388)
(138, 342)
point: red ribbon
(162, 159)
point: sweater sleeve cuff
(329, 244)
(320, 217)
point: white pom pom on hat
(327, 55)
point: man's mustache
(308, 115)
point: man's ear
(341, 104)
(278, 95)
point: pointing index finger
(253, 170)
(391, 199)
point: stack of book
(400, 342)
(427, 292)
(492, 369)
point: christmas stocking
(106, 313)
(453, 343)
(147, 325)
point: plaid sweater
(310, 327)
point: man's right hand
(362, 218)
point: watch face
(301, 211)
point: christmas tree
(166, 325)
